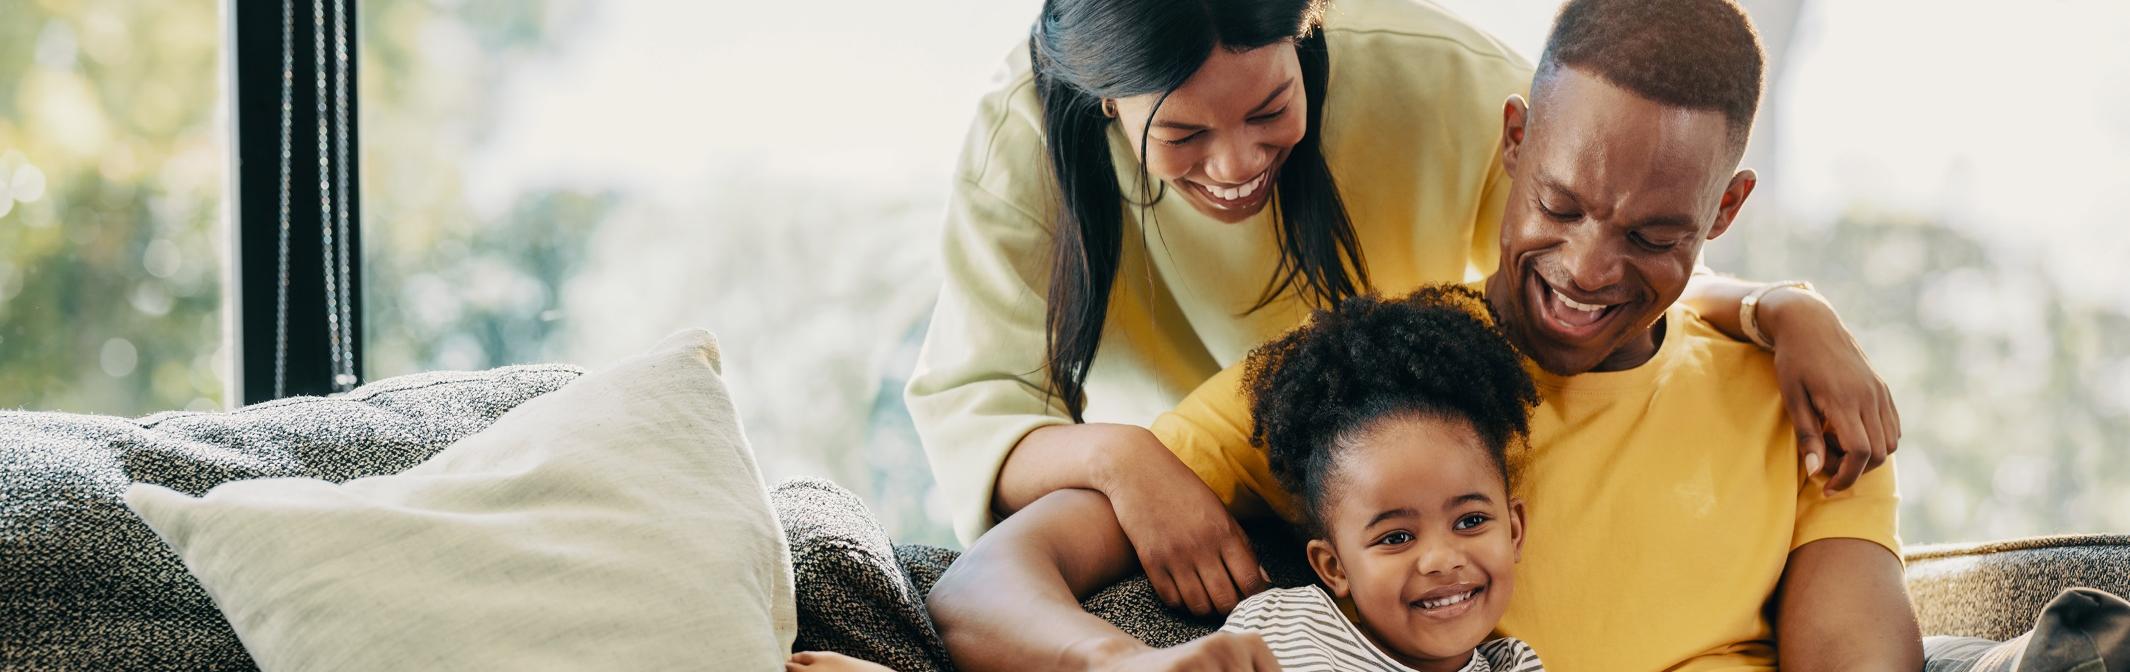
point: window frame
(275, 354)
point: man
(1670, 523)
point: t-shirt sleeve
(1210, 432)
(978, 387)
(1868, 510)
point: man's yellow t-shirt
(1661, 503)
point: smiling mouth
(1245, 196)
(1567, 318)
(1450, 605)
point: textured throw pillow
(84, 585)
(2082, 630)
(862, 597)
(618, 523)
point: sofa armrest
(1992, 590)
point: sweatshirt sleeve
(979, 385)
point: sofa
(86, 585)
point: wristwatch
(1749, 310)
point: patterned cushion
(1993, 590)
(861, 596)
(85, 585)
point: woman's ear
(1325, 561)
(1516, 526)
(1109, 107)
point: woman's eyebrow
(1276, 93)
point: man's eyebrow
(1547, 183)
(1666, 222)
(1400, 512)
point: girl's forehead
(1422, 462)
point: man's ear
(1734, 195)
(1325, 561)
(1516, 526)
(1515, 116)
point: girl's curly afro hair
(1435, 351)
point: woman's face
(1423, 537)
(1221, 137)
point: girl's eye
(1398, 538)
(1471, 521)
(1268, 116)
(1557, 215)
(1651, 245)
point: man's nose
(1590, 261)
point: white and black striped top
(1307, 633)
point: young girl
(1393, 420)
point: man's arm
(1012, 602)
(1844, 606)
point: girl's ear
(1516, 526)
(1325, 561)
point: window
(112, 183)
(570, 181)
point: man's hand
(1844, 414)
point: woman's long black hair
(1086, 50)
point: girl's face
(1423, 538)
(1220, 138)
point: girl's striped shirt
(1308, 633)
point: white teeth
(1237, 192)
(1571, 303)
(1447, 601)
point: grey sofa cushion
(861, 596)
(1993, 590)
(2082, 629)
(85, 585)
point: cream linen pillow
(619, 523)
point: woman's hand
(1193, 551)
(1845, 417)
(1217, 652)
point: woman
(1170, 184)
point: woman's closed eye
(1179, 142)
(1269, 116)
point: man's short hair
(1695, 54)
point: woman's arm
(1194, 552)
(1012, 602)
(1844, 413)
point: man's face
(1611, 196)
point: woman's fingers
(1849, 431)
(1811, 437)
(1221, 592)
(1242, 565)
(1164, 588)
(1192, 591)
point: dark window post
(296, 225)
